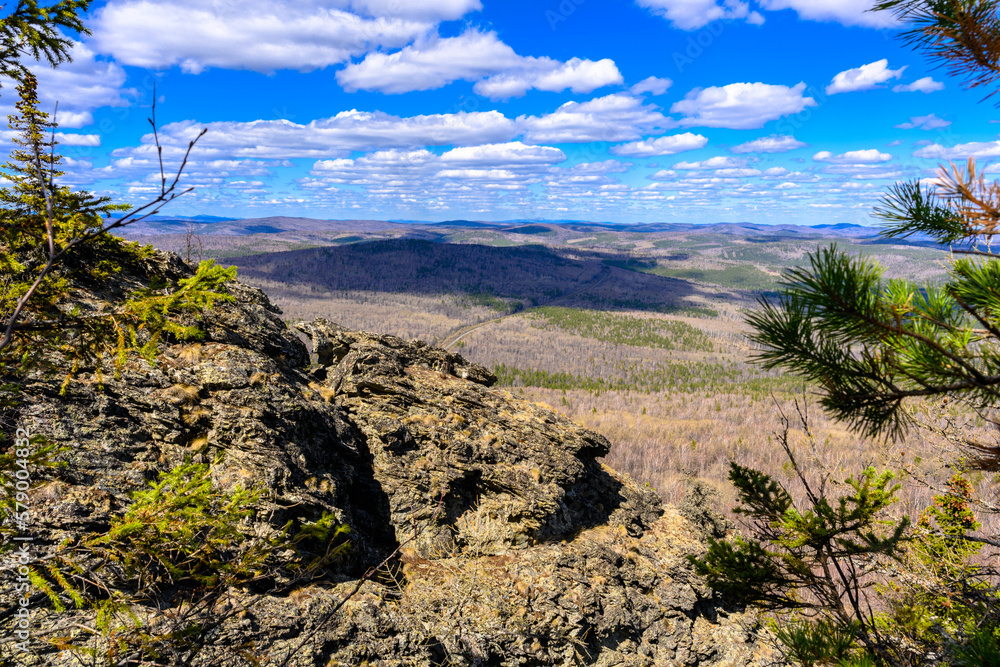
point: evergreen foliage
(39, 222)
(871, 346)
(36, 33)
(621, 329)
(816, 558)
(32, 167)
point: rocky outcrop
(508, 541)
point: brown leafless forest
(640, 336)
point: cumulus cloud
(79, 87)
(471, 176)
(84, 84)
(72, 119)
(929, 122)
(340, 135)
(616, 117)
(772, 144)
(78, 139)
(978, 149)
(865, 77)
(721, 162)
(694, 14)
(474, 56)
(744, 172)
(494, 162)
(924, 85)
(261, 35)
(580, 76)
(740, 106)
(652, 85)
(425, 10)
(861, 164)
(869, 156)
(431, 64)
(671, 145)
(512, 153)
(846, 12)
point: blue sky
(768, 111)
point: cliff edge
(508, 541)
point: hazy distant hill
(206, 224)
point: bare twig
(168, 193)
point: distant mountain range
(216, 225)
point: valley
(634, 331)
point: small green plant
(980, 650)
(39, 455)
(817, 644)
(185, 542)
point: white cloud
(978, 149)
(847, 12)
(74, 119)
(772, 144)
(604, 167)
(474, 56)
(869, 156)
(652, 85)
(616, 117)
(861, 164)
(580, 76)
(426, 10)
(664, 175)
(478, 174)
(671, 145)
(511, 153)
(694, 14)
(79, 87)
(740, 106)
(259, 35)
(721, 162)
(340, 135)
(84, 84)
(865, 77)
(930, 122)
(737, 172)
(787, 185)
(924, 85)
(78, 139)
(430, 64)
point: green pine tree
(871, 347)
(32, 168)
(35, 33)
